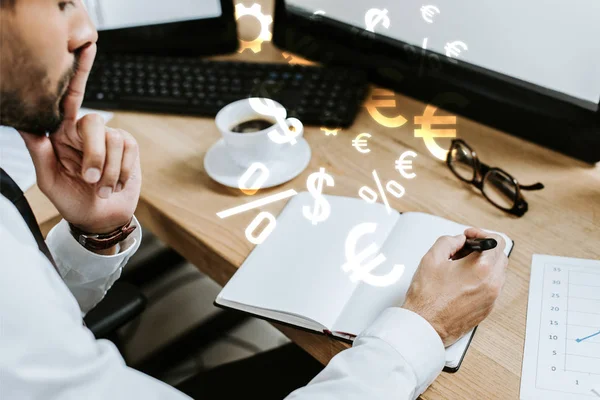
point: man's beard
(46, 113)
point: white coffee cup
(248, 148)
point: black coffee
(254, 125)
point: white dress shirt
(47, 354)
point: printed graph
(582, 350)
(569, 330)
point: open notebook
(296, 275)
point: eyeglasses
(499, 187)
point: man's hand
(91, 173)
(455, 296)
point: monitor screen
(551, 44)
(117, 14)
(164, 27)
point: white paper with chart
(562, 344)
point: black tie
(10, 190)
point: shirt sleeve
(46, 352)
(397, 357)
(89, 275)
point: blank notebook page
(298, 268)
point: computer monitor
(174, 27)
(528, 68)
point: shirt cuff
(414, 339)
(72, 256)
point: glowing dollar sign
(322, 209)
(285, 130)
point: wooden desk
(179, 203)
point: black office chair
(123, 302)
(149, 268)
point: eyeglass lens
(462, 162)
(500, 189)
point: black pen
(472, 245)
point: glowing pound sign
(354, 261)
(285, 130)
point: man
(91, 173)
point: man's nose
(82, 30)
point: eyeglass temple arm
(535, 186)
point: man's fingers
(110, 156)
(474, 233)
(75, 93)
(70, 159)
(130, 160)
(92, 132)
(489, 262)
(112, 165)
(446, 246)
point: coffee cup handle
(296, 124)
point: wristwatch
(96, 242)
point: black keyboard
(326, 96)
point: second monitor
(508, 62)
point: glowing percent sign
(272, 222)
(251, 189)
(370, 196)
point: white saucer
(221, 168)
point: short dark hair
(7, 3)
